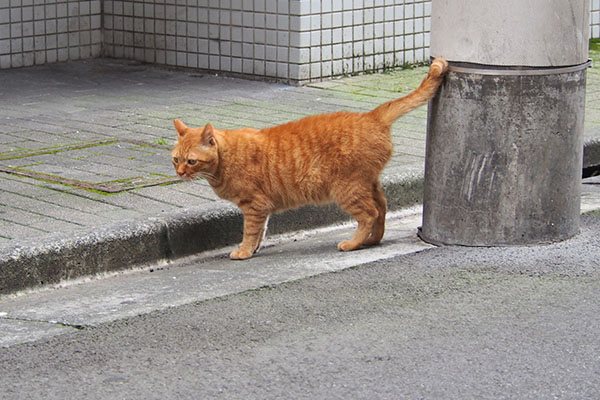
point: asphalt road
(442, 323)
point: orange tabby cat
(319, 159)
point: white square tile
(271, 21)
(247, 66)
(337, 67)
(357, 33)
(299, 7)
(326, 69)
(282, 70)
(27, 13)
(315, 70)
(62, 12)
(5, 46)
(326, 36)
(271, 53)
(260, 20)
(51, 56)
(326, 21)
(388, 29)
(225, 48)
(347, 18)
(300, 23)
(271, 68)
(226, 64)
(315, 22)
(63, 54)
(399, 12)
(51, 41)
(379, 61)
(29, 59)
(347, 34)
(388, 60)
(409, 42)
(337, 36)
(299, 55)
(236, 34)
(283, 22)
(337, 51)
(259, 52)
(315, 54)
(337, 20)
(357, 49)
(236, 49)
(28, 44)
(247, 50)
(270, 37)
(203, 61)
(369, 63)
(368, 46)
(283, 6)
(315, 38)
(419, 40)
(283, 38)
(326, 52)
(260, 6)
(378, 45)
(283, 54)
(214, 62)
(388, 44)
(259, 67)
(224, 33)
(347, 50)
(409, 26)
(74, 53)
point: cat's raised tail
(392, 110)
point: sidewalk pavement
(86, 182)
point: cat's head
(196, 152)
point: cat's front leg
(255, 227)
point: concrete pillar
(505, 133)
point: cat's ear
(208, 136)
(180, 126)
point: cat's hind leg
(262, 235)
(359, 203)
(379, 225)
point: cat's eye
(176, 160)
(192, 162)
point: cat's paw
(240, 254)
(347, 245)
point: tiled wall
(297, 40)
(290, 40)
(46, 31)
(595, 19)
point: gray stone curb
(591, 153)
(42, 262)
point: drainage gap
(590, 171)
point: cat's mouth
(187, 178)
